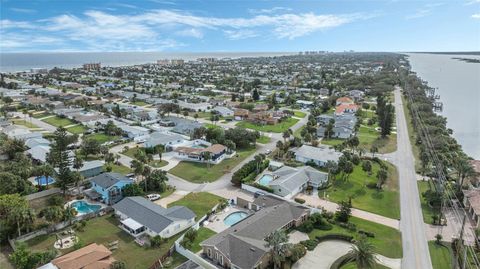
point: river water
(458, 84)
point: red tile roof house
(93, 256)
(346, 108)
(471, 200)
(344, 100)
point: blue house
(107, 187)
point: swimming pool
(235, 217)
(83, 207)
(42, 180)
(265, 179)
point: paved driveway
(327, 252)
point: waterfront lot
(201, 172)
(384, 202)
(276, 128)
(103, 230)
(199, 202)
(387, 241)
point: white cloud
(23, 10)
(420, 13)
(240, 34)
(269, 10)
(158, 29)
(476, 16)
(191, 32)
(471, 2)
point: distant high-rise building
(91, 66)
(39, 70)
(163, 62)
(177, 61)
(207, 60)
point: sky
(239, 25)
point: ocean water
(12, 62)
(458, 84)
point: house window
(221, 260)
(209, 253)
(216, 255)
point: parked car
(153, 196)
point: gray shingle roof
(244, 242)
(321, 153)
(151, 215)
(291, 178)
(106, 180)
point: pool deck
(216, 222)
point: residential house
(241, 114)
(167, 140)
(93, 256)
(318, 155)
(304, 104)
(343, 128)
(107, 187)
(471, 201)
(140, 216)
(196, 153)
(343, 101)
(91, 168)
(243, 245)
(289, 181)
(223, 111)
(346, 109)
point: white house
(140, 216)
(319, 155)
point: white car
(153, 196)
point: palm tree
(279, 147)
(363, 253)
(76, 179)
(46, 171)
(69, 214)
(137, 167)
(285, 136)
(52, 214)
(464, 170)
(23, 216)
(279, 247)
(207, 156)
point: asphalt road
(414, 240)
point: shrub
(300, 200)
(259, 186)
(56, 200)
(326, 237)
(306, 227)
(310, 244)
(297, 252)
(366, 233)
(156, 241)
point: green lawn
(41, 115)
(199, 202)
(202, 235)
(387, 241)
(411, 134)
(139, 103)
(158, 163)
(25, 123)
(103, 230)
(332, 141)
(299, 114)
(120, 169)
(102, 138)
(277, 128)
(57, 121)
(441, 255)
(384, 202)
(201, 172)
(201, 115)
(79, 129)
(131, 152)
(427, 211)
(263, 139)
